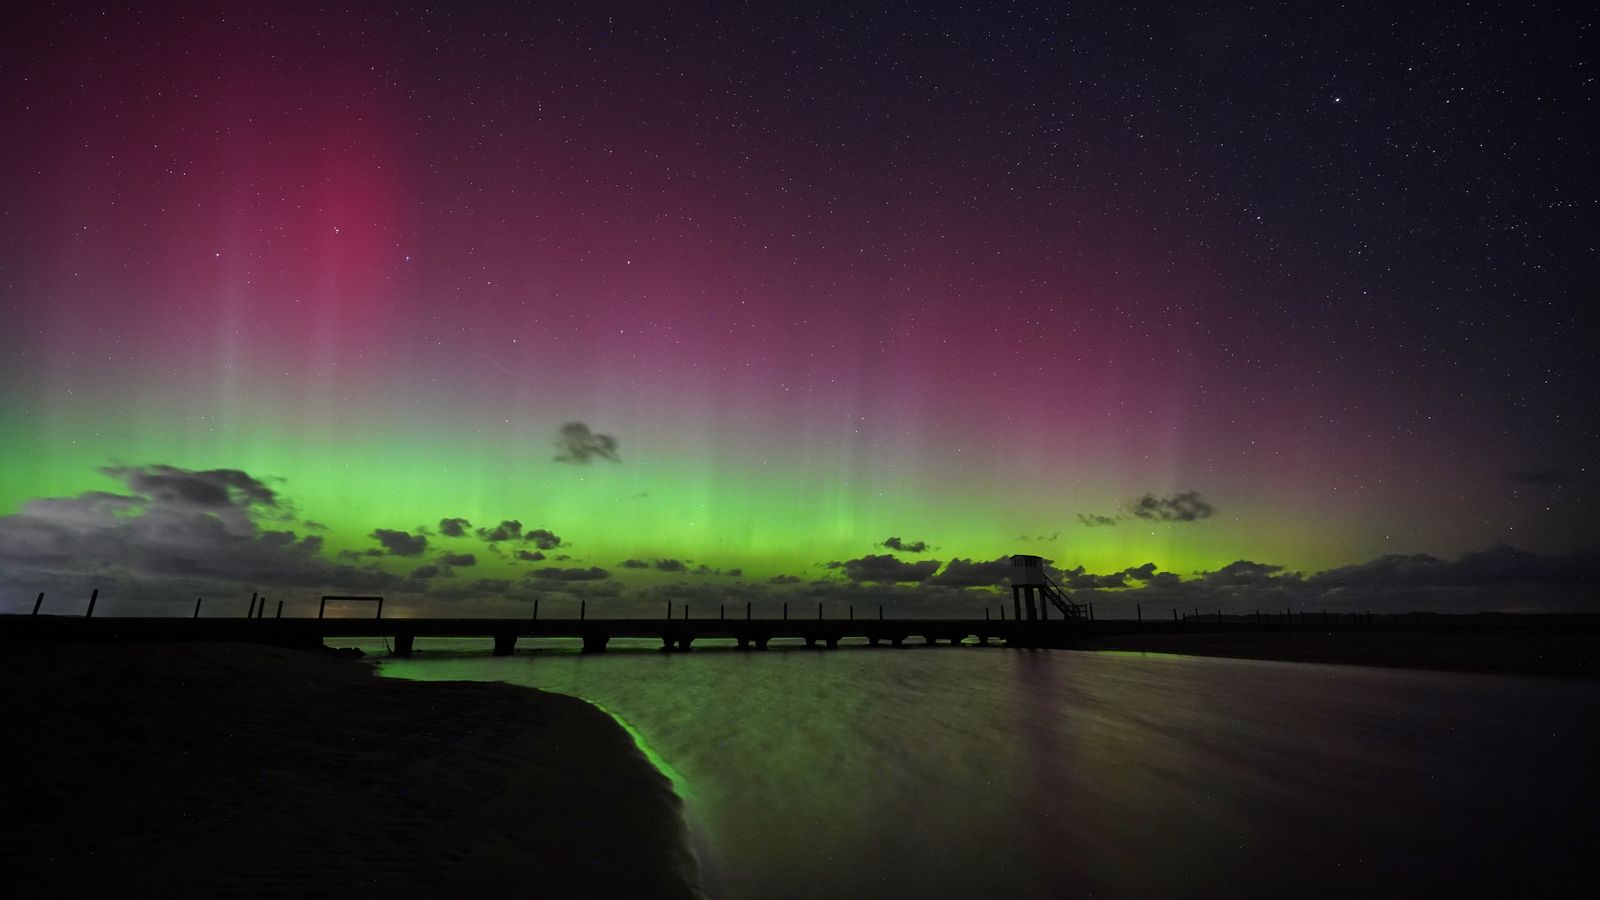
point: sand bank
(234, 770)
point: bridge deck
(675, 633)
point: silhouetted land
(1562, 645)
(206, 770)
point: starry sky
(810, 299)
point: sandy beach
(235, 770)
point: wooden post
(250, 613)
(197, 606)
(93, 596)
(880, 614)
(380, 609)
(1174, 614)
(819, 612)
(722, 611)
(280, 609)
(1091, 612)
(1138, 609)
(686, 612)
(747, 610)
(852, 612)
(986, 613)
(536, 609)
(261, 608)
(669, 610)
(38, 603)
(322, 608)
(786, 610)
(1002, 612)
(583, 609)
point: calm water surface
(956, 772)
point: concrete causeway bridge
(677, 634)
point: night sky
(471, 306)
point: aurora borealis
(1300, 290)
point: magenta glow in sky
(961, 278)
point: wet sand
(234, 770)
(1507, 653)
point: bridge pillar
(833, 642)
(595, 641)
(761, 641)
(402, 645)
(667, 643)
(504, 644)
(811, 641)
(684, 643)
(744, 642)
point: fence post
(280, 609)
(1138, 608)
(197, 606)
(93, 596)
(38, 603)
(747, 610)
(583, 610)
(786, 610)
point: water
(986, 771)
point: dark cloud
(706, 570)
(785, 579)
(881, 568)
(543, 539)
(1500, 578)
(314, 526)
(460, 560)
(183, 532)
(508, 530)
(1243, 572)
(1078, 579)
(905, 546)
(593, 573)
(211, 488)
(1188, 506)
(634, 564)
(577, 444)
(530, 556)
(400, 543)
(669, 565)
(423, 573)
(1499, 565)
(1141, 573)
(454, 527)
(1093, 520)
(965, 573)
(1040, 537)
(1543, 475)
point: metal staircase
(1059, 598)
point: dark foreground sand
(1573, 655)
(233, 770)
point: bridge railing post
(93, 596)
(38, 603)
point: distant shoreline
(1574, 655)
(197, 770)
